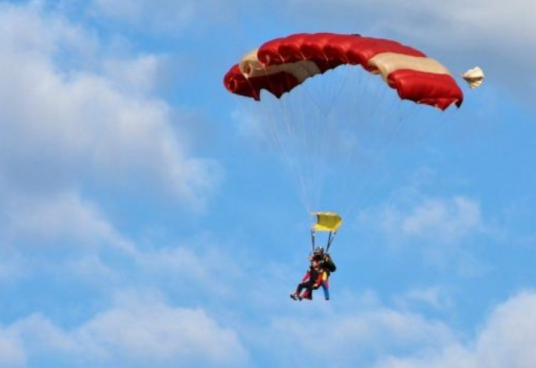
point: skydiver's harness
(324, 275)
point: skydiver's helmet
(319, 250)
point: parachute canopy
(281, 64)
(327, 221)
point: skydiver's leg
(325, 287)
(308, 294)
(300, 286)
(306, 276)
(308, 286)
(296, 295)
(299, 289)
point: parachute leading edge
(327, 221)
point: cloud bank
(506, 340)
(64, 123)
(139, 330)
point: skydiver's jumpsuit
(327, 267)
(310, 280)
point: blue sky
(146, 223)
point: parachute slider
(474, 77)
(327, 221)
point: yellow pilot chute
(474, 77)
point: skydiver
(327, 266)
(312, 279)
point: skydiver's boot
(294, 296)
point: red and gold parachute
(337, 132)
(281, 64)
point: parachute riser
(326, 222)
(330, 240)
(331, 237)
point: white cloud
(435, 297)
(352, 338)
(441, 231)
(27, 29)
(140, 74)
(182, 262)
(440, 221)
(85, 244)
(37, 334)
(457, 22)
(449, 221)
(466, 22)
(12, 352)
(65, 217)
(166, 17)
(160, 14)
(140, 330)
(249, 125)
(71, 230)
(159, 333)
(507, 340)
(510, 335)
(61, 125)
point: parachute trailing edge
(281, 64)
